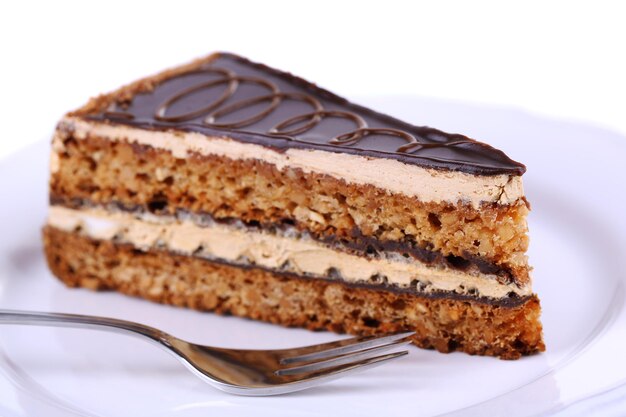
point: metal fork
(240, 371)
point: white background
(563, 59)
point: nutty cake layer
(443, 324)
(102, 171)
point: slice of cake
(228, 186)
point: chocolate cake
(228, 186)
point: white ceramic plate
(576, 185)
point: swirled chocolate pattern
(249, 102)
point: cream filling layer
(302, 256)
(428, 185)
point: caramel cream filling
(283, 252)
(428, 185)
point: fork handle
(35, 318)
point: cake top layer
(229, 96)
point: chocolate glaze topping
(249, 102)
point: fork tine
(329, 374)
(316, 378)
(351, 357)
(341, 347)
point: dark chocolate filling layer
(360, 245)
(250, 102)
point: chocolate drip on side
(249, 102)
